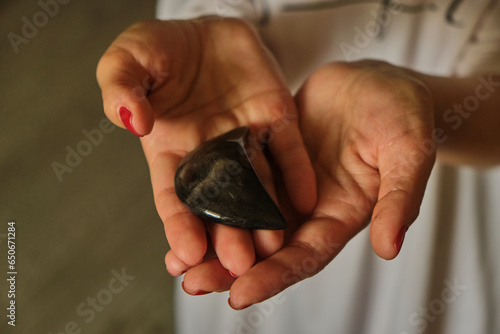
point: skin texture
(359, 137)
(184, 83)
(369, 128)
(361, 123)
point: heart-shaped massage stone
(218, 183)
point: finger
(175, 267)
(124, 84)
(266, 242)
(234, 248)
(209, 276)
(290, 154)
(404, 176)
(186, 233)
(313, 246)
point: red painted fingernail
(126, 117)
(400, 238)
(232, 274)
(200, 293)
(236, 308)
(197, 293)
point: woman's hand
(367, 127)
(180, 83)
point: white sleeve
(251, 10)
(482, 53)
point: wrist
(466, 118)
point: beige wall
(74, 233)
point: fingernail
(236, 308)
(197, 293)
(400, 238)
(126, 117)
(232, 274)
(200, 293)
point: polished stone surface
(218, 183)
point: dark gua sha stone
(218, 183)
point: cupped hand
(367, 127)
(179, 83)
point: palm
(195, 80)
(362, 125)
(352, 138)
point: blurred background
(89, 244)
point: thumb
(125, 85)
(402, 186)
